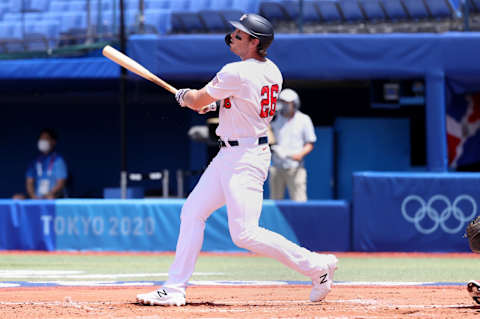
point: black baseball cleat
(473, 288)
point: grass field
(352, 267)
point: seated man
(47, 174)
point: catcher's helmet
(258, 27)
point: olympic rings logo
(426, 210)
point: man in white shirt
(249, 90)
(295, 136)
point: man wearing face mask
(295, 136)
(47, 174)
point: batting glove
(180, 95)
(208, 108)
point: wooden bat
(135, 67)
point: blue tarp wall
(153, 225)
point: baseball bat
(135, 67)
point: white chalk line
(78, 274)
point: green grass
(455, 269)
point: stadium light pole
(123, 106)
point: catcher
(473, 235)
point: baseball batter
(249, 90)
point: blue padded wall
(379, 144)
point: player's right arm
(194, 99)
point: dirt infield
(241, 302)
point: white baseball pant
(235, 177)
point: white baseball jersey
(249, 89)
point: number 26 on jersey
(268, 105)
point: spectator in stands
(47, 174)
(295, 136)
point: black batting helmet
(257, 27)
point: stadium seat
(329, 11)
(12, 16)
(18, 6)
(58, 6)
(39, 5)
(157, 4)
(416, 9)
(274, 11)
(77, 6)
(246, 6)
(179, 5)
(33, 16)
(72, 21)
(216, 18)
(211, 5)
(214, 21)
(11, 35)
(351, 11)
(293, 8)
(310, 12)
(441, 9)
(395, 10)
(4, 8)
(158, 21)
(373, 10)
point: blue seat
(179, 5)
(58, 6)
(395, 10)
(157, 4)
(310, 11)
(17, 6)
(72, 21)
(220, 4)
(130, 5)
(33, 16)
(274, 11)
(442, 9)
(39, 5)
(187, 22)
(12, 16)
(292, 7)
(9, 30)
(214, 21)
(11, 37)
(246, 6)
(77, 6)
(416, 9)
(329, 11)
(373, 10)
(42, 35)
(159, 20)
(197, 5)
(351, 11)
